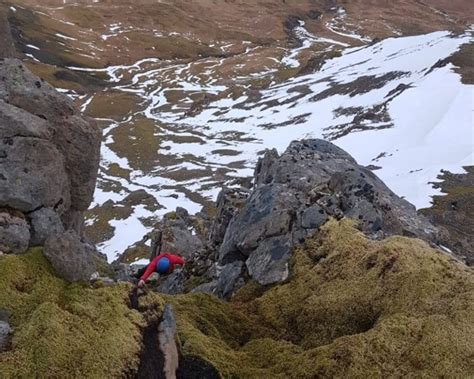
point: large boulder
(76, 138)
(296, 193)
(32, 171)
(14, 233)
(69, 257)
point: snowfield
(393, 105)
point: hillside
(311, 162)
(189, 94)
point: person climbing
(163, 264)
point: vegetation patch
(65, 330)
(353, 307)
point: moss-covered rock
(65, 330)
(353, 308)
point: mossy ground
(64, 330)
(353, 308)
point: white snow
(430, 124)
(33, 47)
(65, 37)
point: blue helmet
(163, 265)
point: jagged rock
(268, 212)
(5, 330)
(269, 262)
(297, 192)
(69, 257)
(229, 279)
(228, 202)
(173, 284)
(76, 138)
(44, 222)
(14, 233)
(167, 342)
(122, 272)
(180, 234)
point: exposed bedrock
(297, 192)
(49, 158)
(254, 232)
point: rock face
(300, 190)
(49, 156)
(68, 256)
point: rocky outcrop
(69, 257)
(49, 156)
(296, 193)
(253, 233)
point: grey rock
(5, 330)
(182, 241)
(123, 272)
(268, 212)
(229, 201)
(296, 193)
(14, 233)
(167, 341)
(44, 222)
(268, 264)
(179, 235)
(313, 217)
(73, 220)
(32, 172)
(63, 147)
(172, 284)
(209, 288)
(228, 281)
(68, 256)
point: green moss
(103, 267)
(352, 308)
(64, 330)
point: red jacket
(174, 260)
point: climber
(163, 264)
